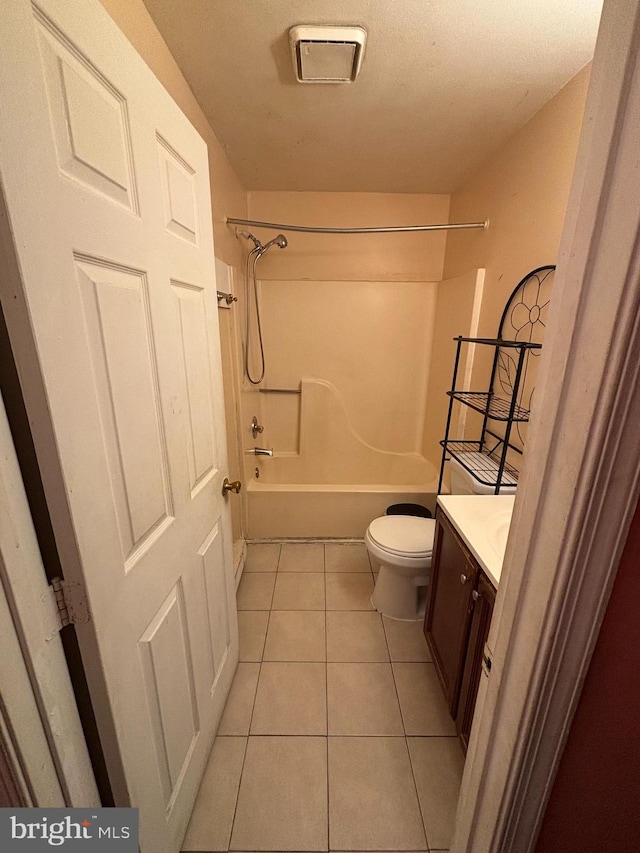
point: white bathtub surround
(355, 440)
(334, 482)
(331, 449)
(338, 735)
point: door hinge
(487, 660)
(69, 606)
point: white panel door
(110, 299)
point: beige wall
(228, 197)
(523, 190)
(457, 313)
(357, 257)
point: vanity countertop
(483, 524)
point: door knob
(227, 487)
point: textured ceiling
(443, 84)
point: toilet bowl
(401, 545)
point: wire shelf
(509, 393)
(500, 342)
(480, 464)
(497, 408)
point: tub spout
(261, 451)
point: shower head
(280, 241)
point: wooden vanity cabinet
(448, 615)
(484, 597)
(457, 621)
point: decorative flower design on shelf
(525, 319)
(528, 310)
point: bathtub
(336, 482)
(325, 511)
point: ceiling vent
(327, 54)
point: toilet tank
(464, 483)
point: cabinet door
(448, 614)
(485, 597)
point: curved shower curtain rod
(384, 230)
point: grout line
(395, 684)
(384, 628)
(406, 741)
(415, 785)
(255, 699)
(266, 734)
(317, 610)
(311, 540)
(326, 685)
(253, 706)
(368, 736)
(244, 758)
(361, 850)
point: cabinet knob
(464, 578)
(476, 595)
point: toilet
(464, 483)
(402, 545)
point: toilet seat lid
(404, 534)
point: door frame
(579, 487)
(44, 759)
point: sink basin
(498, 531)
(483, 523)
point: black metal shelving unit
(505, 404)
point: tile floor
(335, 735)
